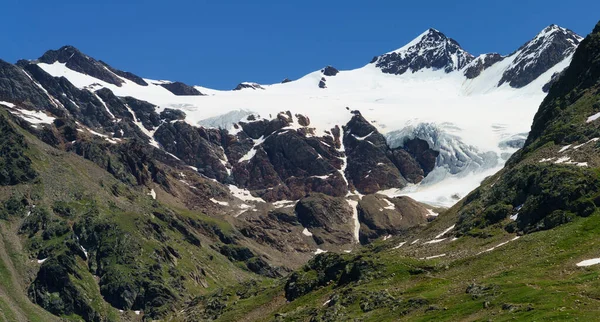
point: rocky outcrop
(17, 88)
(181, 89)
(241, 86)
(329, 219)
(329, 71)
(369, 169)
(381, 216)
(198, 147)
(480, 64)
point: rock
(303, 120)
(381, 216)
(286, 80)
(322, 83)
(553, 79)
(15, 165)
(195, 146)
(329, 71)
(254, 86)
(328, 218)
(169, 115)
(181, 89)
(422, 153)
(480, 64)
(17, 88)
(369, 169)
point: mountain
(125, 196)
(431, 50)
(522, 246)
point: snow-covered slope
(419, 90)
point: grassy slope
(81, 185)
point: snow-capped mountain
(429, 119)
(431, 50)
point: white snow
(320, 251)
(222, 203)
(387, 237)
(415, 241)
(356, 231)
(564, 148)
(589, 262)
(152, 193)
(435, 241)
(562, 160)
(306, 232)
(432, 213)
(41, 261)
(137, 312)
(435, 256)
(399, 245)
(444, 232)
(243, 194)
(252, 152)
(499, 245)
(593, 117)
(33, 117)
(390, 206)
(582, 144)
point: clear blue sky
(220, 43)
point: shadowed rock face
(382, 216)
(535, 57)
(329, 219)
(373, 166)
(16, 87)
(181, 89)
(480, 64)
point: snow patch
(445, 232)
(589, 262)
(306, 232)
(222, 203)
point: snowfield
(468, 120)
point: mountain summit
(431, 49)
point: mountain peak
(549, 47)
(430, 50)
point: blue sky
(221, 43)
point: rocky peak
(254, 86)
(79, 62)
(430, 50)
(330, 71)
(546, 49)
